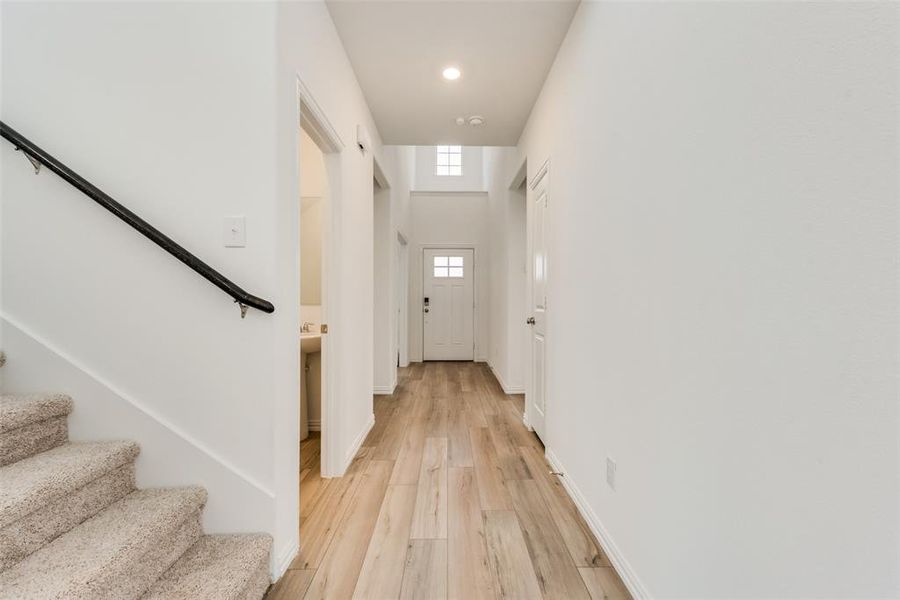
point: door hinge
(323, 328)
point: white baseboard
(357, 444)
(285, 557)
(623, 568)
(507, 389)
(314, 425)
(384, 390)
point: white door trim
(312, 118)
(378, 174)
(540, 174)
(420, 290)
(321, 130)
(520, 175)
(403, 300)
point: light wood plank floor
(449, 497)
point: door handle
(530, 321)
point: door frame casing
(542, 174)
(519, 183)
(383, 360)
(402, 249)
(420, 278)
(312, 119)
(520, 176)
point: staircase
(72, 524)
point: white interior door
(536, 392)
(448, 304)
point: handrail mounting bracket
(244, 308)
(34, 162)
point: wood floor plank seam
(430, 516)
(450, 497)
(583, 548)
(382, 571)
(553, 565)
(336, 577)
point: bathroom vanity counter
(310, 342)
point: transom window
(449, 161)
(448, 266)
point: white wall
(311, 250)
(392, 221)
(507, 350)
(452, 219)
(309, 46)
(313, 200)
(472, 179)
(382, 259)
(401, 160)
(723, 291)
(517, 292)
(314, 182)
(497, 164)
(149, 350)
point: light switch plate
(234, 232)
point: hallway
(450, 496)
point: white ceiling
(503, 48)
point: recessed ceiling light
(451, 73)
(476, 121)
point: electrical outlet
(611, 472)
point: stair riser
(21, 538)
(224, 567)
(32, 439)
(258, 584)
(132, 580)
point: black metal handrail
(39, 157)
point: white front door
(448, 304)
(536, 392)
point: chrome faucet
(306, 327)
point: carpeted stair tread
(107, 547)
(217, 567)
(18, 410)
(33, 482)
(34, 438)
